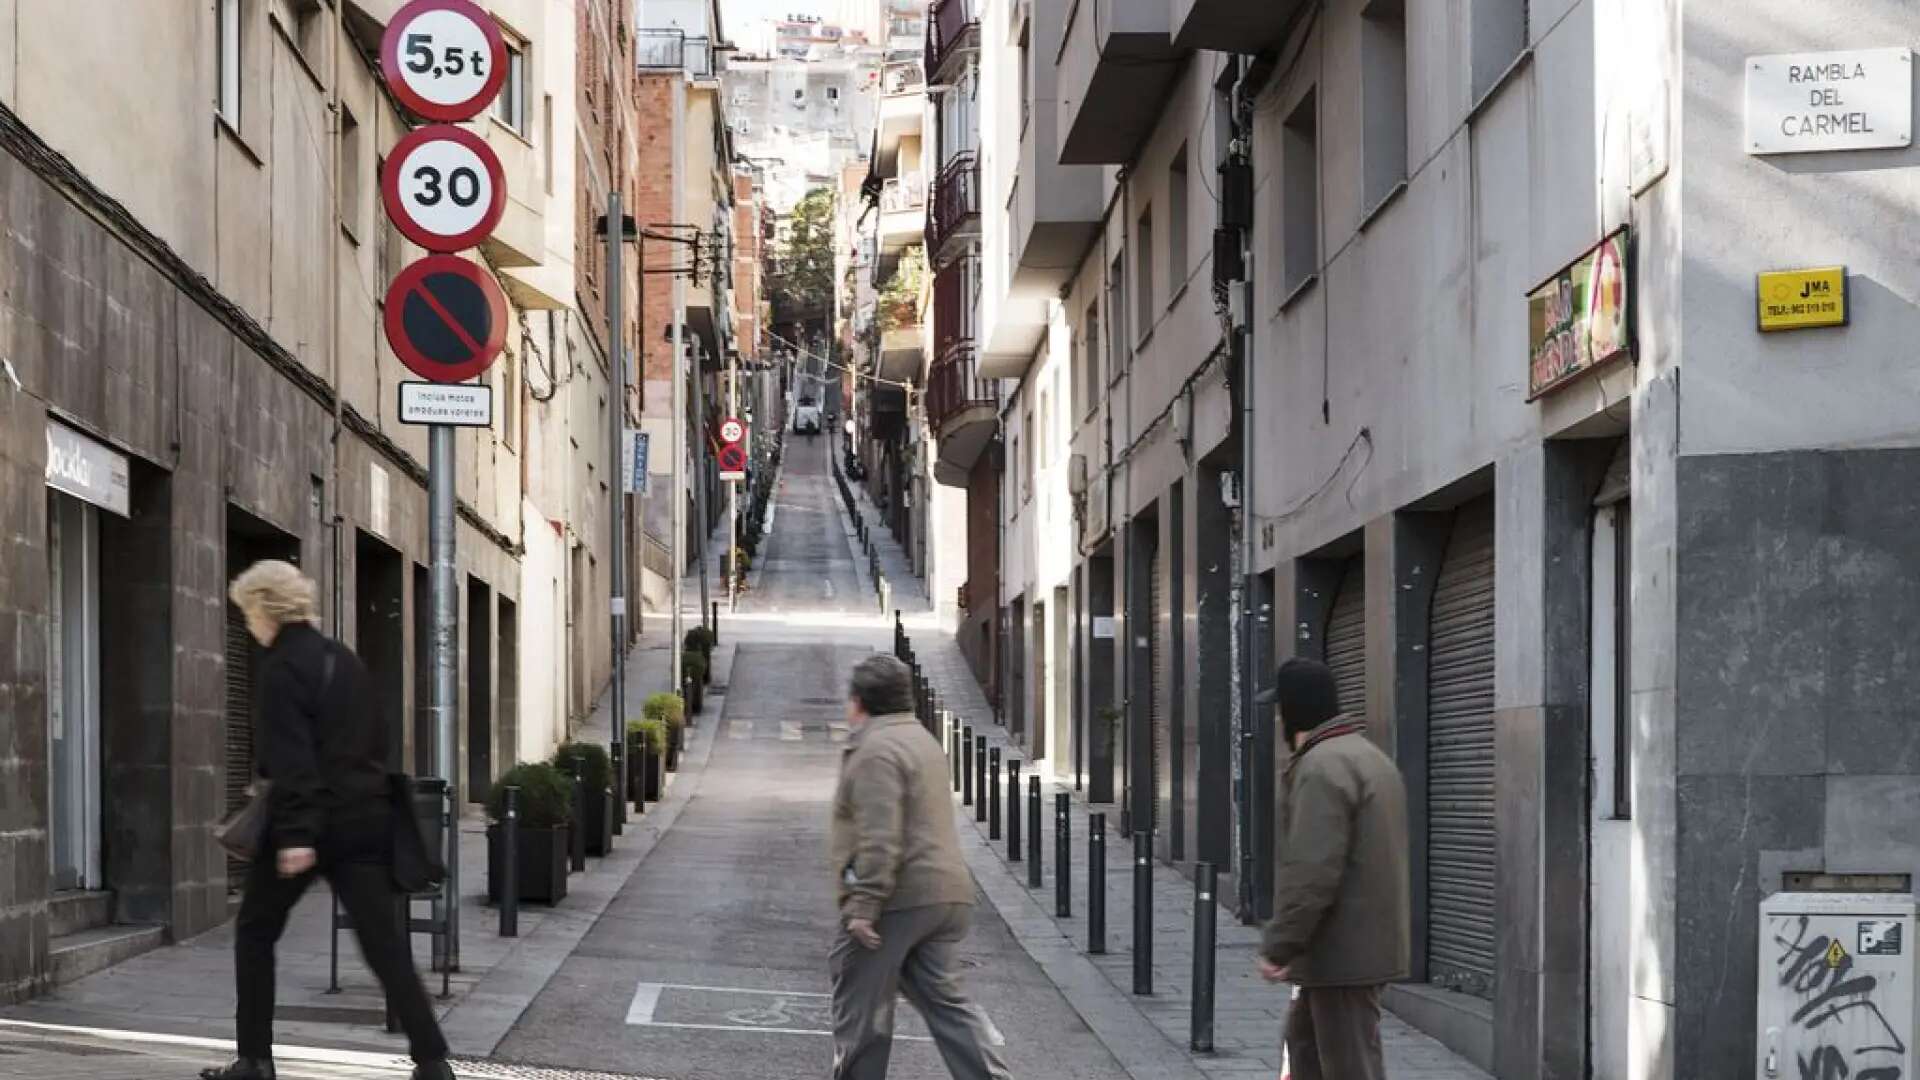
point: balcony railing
(903, 193)
(953, 387)
(956, 201)
(956, 299)
(952, 25)
(673, 50)
(902, 78)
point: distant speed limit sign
(443, 188)
(444, 59)
(732, 431)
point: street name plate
(1861, 99)
(456, 404)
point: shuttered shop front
(239, 733)
(1460, 759)
(1347, 638)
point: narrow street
(711, 963)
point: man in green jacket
(1339, 929)
(906, 896)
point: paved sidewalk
(187, 989)
(1248, 1013)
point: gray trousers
(1333, 1033)
(916, 957)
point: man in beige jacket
(906, 897)
(1339, 929)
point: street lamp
(617, 451)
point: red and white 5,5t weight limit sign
(444, 59)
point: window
(1499, 37)
(510, 397)
(1143, 251)
(227, 103)
(1026, 81)
(309, 32)
(833, 94)
(1095, 387)
(1043, 456)
(1177, 226)
(1052, 419)
(1013, 466)
(1117, 317)
(799, 95)
(352, 174)
(1026, 473)
(510, 108)
(1300, 196)
(1383, 98)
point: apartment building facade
(195, 379)
(1369, 326)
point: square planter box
(543, 864)
(651, 769)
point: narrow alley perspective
(992, 539)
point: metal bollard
(953, 749)
(993, 794)
(510, 866)
(1143, 913)
(1034, 811)
(980, 777)
(966, 766)
(1013, 811)
(617, 753)
(716, 612)
(1097, 885)
(1062, 855)
(1205, 882)
(577, 835)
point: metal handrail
(956, 197)
(948, 24)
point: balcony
(1233, 26)
(953, 30)
(903, 102)
(673, 50)
(963, 411)
(956, 207)
(903, 351)
(903, 213)
(1116, 64)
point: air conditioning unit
(1077, 475)
(1836, 985)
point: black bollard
(617, 754)
(1205, 881)
(1097, 885)
(1013, 811)
(1143, 913)
(1062, 855)
(577, 835)
(953, 749)
(1039, 841)
(966, 766)
(716, 611)
(510, 865)
(980, 777)
(993, 794)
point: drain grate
(500, 1070)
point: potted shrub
(546, 813)
(654, 734)
(700, 640)
(669, 710)
(591, 763)
(693, 669)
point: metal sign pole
(446, 619)
(616, 240)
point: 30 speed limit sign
(444, 59)
(443, 188)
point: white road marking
(792, 731)
(646, 998)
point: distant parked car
(806, 417)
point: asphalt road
(711, 964)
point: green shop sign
(1577, 319)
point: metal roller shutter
(1162, 786)
(239, 756)
(1460, 760)
(1347, 639)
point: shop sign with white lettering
(87, 470)
(1805, 102)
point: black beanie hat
(1305, 691)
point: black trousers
(356, 859)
